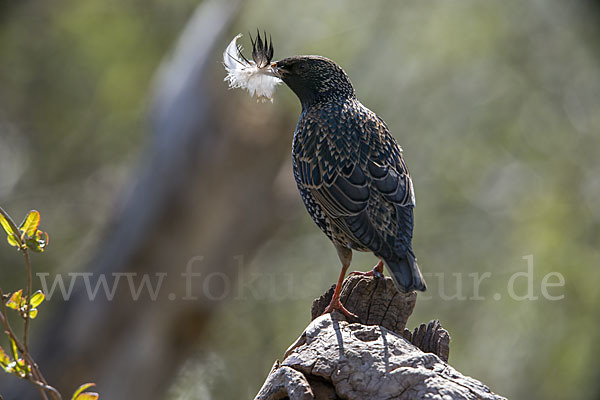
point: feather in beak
(258, 75)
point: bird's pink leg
(377, 271)
(335, 303)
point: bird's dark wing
(353, 169)
(391, 189)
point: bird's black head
(314, 79)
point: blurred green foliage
(495, 104)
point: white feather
(242, 73)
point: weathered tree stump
(374, 358)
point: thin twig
(28, 302)
(8, 329)
(40, 387)
(43, 387)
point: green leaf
(30, 224)
(22, 368)
(38, 242)
(36, 299)
(15, 350)
(88, 396)
(4, 358)
(33, 313)
(11, 230)
(12, 368)
(80, 389)
(33, 245)
(12, 240)
(17, 367)
(15, 300)
(43, 239)
(6, 225)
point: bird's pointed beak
(277, 70)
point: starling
(350, 172)
(348, 167)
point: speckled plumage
(349, 169)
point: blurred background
(115, 124)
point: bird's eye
(300, 68)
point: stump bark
(375, 357)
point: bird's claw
(370, 273)
(377, 271)
(337, 305)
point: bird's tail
(406, 274)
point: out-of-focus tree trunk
(204, 194)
